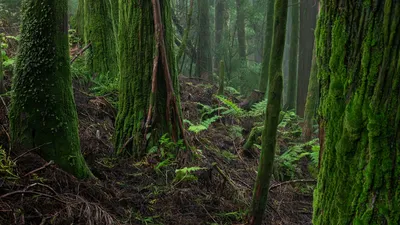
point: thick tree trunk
(43, 113)
(264, 78)
(261, 188)
(308, 19)
(312, 100)
(219, 32)
(146, 112)
(204, 59)
(241, 28)
(102, 56)
(293, 56)
(358, 57)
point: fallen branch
(32, 193)
(51, 162)
(80, 52)
(30, 150)
(291, 182)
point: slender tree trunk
(186, 32)
(358, 57)
(293, 56)
(219, 32)
(204, 60)
(221, 77)
(80, 19)
(264, 78)
(43, 113)
(149, 102)
(312, 101)
(102, 57)
(241, 28)
(308, 19)
(260, 194)
(1, 67)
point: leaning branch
(80, 52)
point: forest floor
(219, 190)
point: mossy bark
(254, 134)
(80, 19)
(102, 55)
(137, 48)
(260, 194)
(358, 57)
(43, 113)
(293, 56)
(186, 32)
(312, 100)
(220, 8)
(241, 28)
(204, 59)
(221, 78)
(269, 27)
(1, 68)
(308, 18)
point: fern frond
(234, 109)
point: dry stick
(33, 193)
(30, 150)
(51, 162)
(170, 89)
(291, 182)
(80, 52)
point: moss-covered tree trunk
(220, 7)
(102, 56)
(241, 28)
(43, 113)
(145, 109)
(80, 19)
(312, 100)
(185, 38)
(308, 18)
(204, 59)
(358, 57)
(1, 67)
(221, 78)
(260, 194)
(293, 56)
(269, 27)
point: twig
(291, 182)
(80, 52)
(33, 193)
(4, 103)
(40, 168)
(43, 185)
(33, 149)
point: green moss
(358, 181)
(137, 49)
(43, 113)
(99, 31)
(293, 56)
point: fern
(258, 109)
(204, 125)
(185, 174)
(234, 109)
(7, 166)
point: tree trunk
(146, 112)
(80, 19)
(261, 188)
(102, 56)
(308, 19)
(358, 58)
(219, 32)
(312, 100)
(1, 68)
(293, 56)
(221, 78)
(264, 78)
(186, 32)
(241, 28)
(204, 60)
(43, 113)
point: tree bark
(358, 58)
(43, 113)
(241, 28)
(1, 67)
(204, 60)
(293, 56)
(219, 32)
(267, 46)
(102, 56)
(308, 19)
(260, 194)
(149, 95)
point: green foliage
(233, 109)
(185, 174)
(7, 166)
(203, 125)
